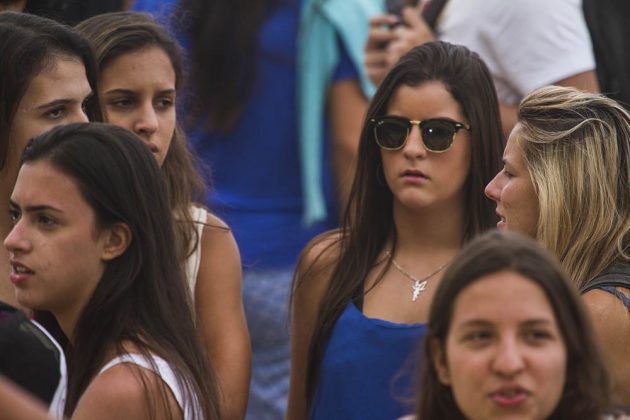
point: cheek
(551, 371)
(168, 128)
(387, 167)
(118, 118)
(467, 375)
(453, 168)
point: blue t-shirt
(369, 369)
(256, 177)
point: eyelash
(477, 336)
(161, 103)
(537, 335)
(14, 216)
(46, 221)
(56, 113)
(165, 103)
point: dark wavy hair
(368, 221)
(112, 35)
(224, 46)
(28, 44)
(142, 296)
(586, 387)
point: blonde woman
(566, 182)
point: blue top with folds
(369, 369)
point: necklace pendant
(417, 288)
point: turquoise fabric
(321, 23)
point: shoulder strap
(617, 275)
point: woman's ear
(438, 356)
(116, 240)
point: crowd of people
(310, 209)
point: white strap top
(165, 372)
(199, 216)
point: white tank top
(199, 216)
(166, 373)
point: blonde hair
(576, 146)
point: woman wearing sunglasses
(565, 183)
(431, 139)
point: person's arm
(586, 81)
(16, 404)
(219, 308)
(346, 110)
(612, 326)
(385, 46)
(121, 393)
(312, 279)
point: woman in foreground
(507, 337)
(92, 244)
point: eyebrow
(486, 323)
(64, 101)
(132, 92)
(56, 102)
(35, 208)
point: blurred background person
(609, 25)
(526, 44)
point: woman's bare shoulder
(318, 259)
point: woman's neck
(431, 231)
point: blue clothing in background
(368, 369)
(256, 176)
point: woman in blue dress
(431, 139)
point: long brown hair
(586, 386)
(142, 297)
(368, 221)
(115, 34)
(224, 51)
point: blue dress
(369, 369)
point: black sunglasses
(392, 132)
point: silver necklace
(418, 284)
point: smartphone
(394, 7)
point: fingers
(379, 37)
(380, 34)
(383, 20)
(376, 64)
